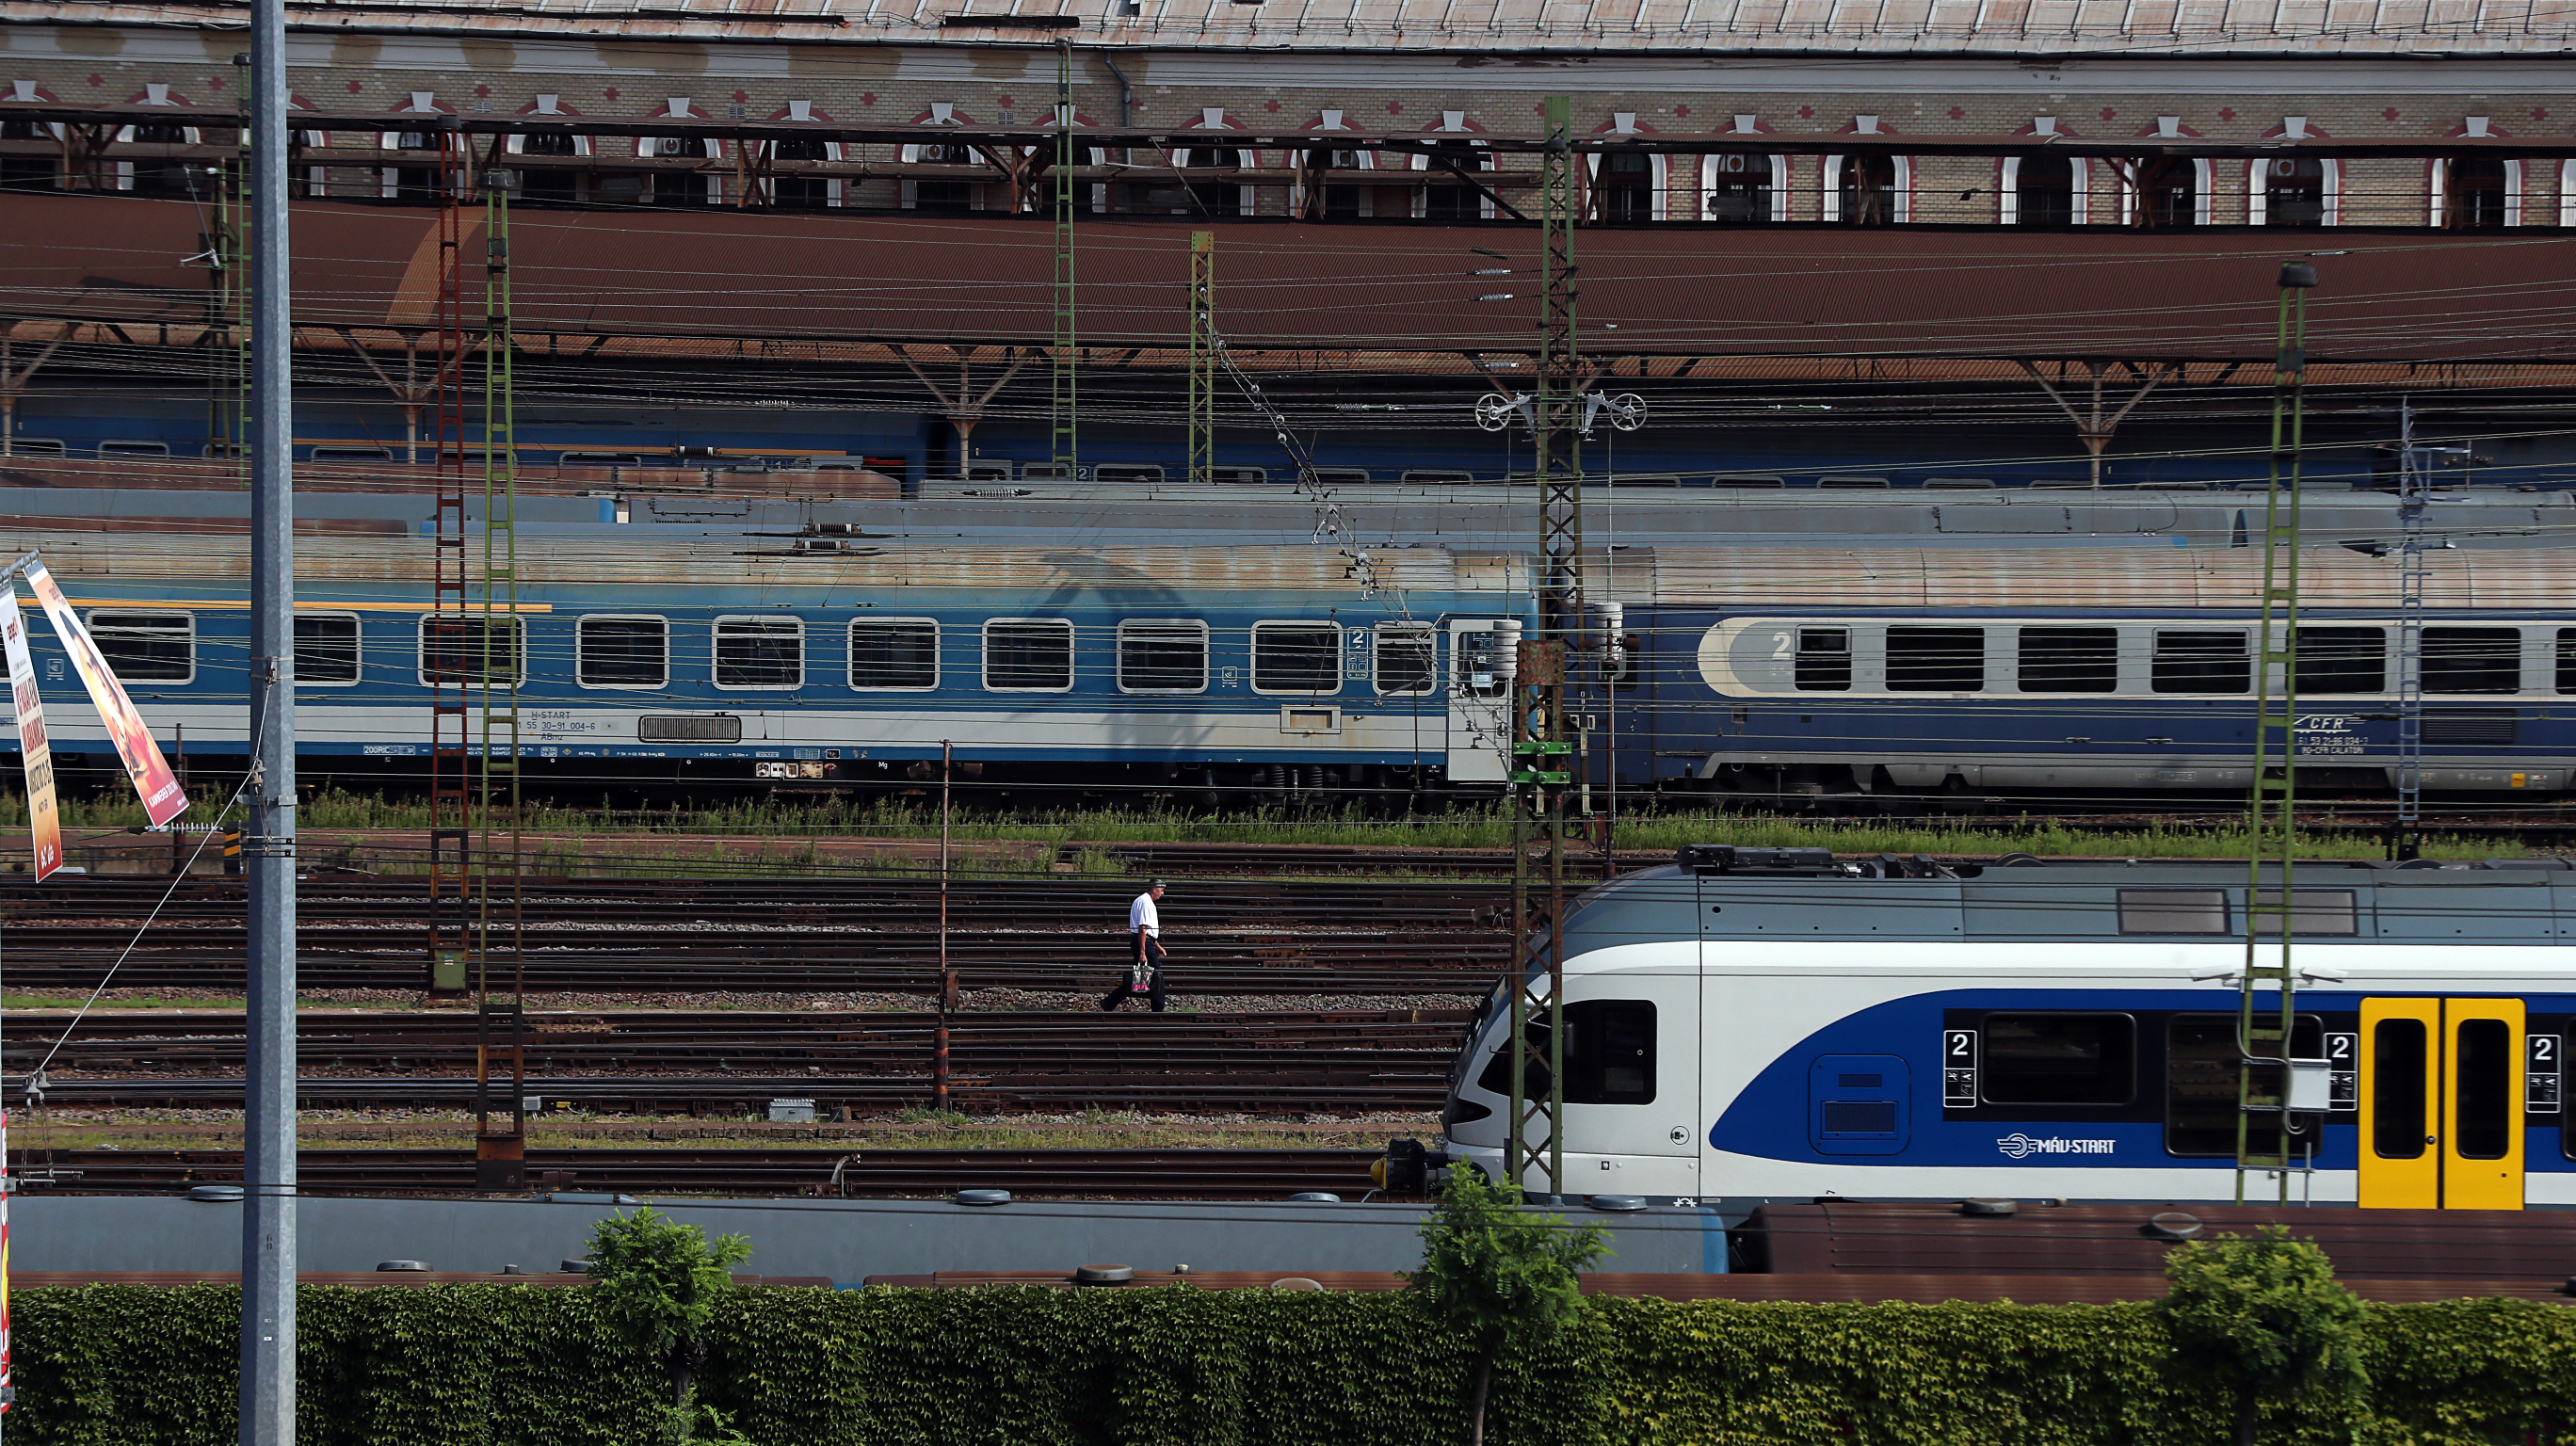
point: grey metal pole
(268, 1144)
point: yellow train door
(2441, 1104)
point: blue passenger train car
(1738, 1034)
(823, 658)
(1858, 671)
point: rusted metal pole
(947, 980)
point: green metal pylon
(1202, 460)
(1065, 402)
(1540, 743)
(499, 893)
(2271, 825)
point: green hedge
(513, 1366)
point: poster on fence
(162, 798)
(44, 819)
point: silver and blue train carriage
(1861, 671)
(1213, 667)
(1736, 1035)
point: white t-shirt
(1141, 915)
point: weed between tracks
(801, 837)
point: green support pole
(499, 893)
(2263, 1036)
(1541, 744)
(1202, 461)
(1063, 411)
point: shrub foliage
(492, 1365)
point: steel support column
(1202, 402)
(2263, 1075)
(1063, 423)
(1540, 744)
(268, 1127)
(500, 1155)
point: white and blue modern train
(1768, 1026)
(1978, 647)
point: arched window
(2043, 191)
(1342, 201)
(2170, 193)
(2477, 193)
(947, 194)
(28, 170)
(1627, 185)
(1866, 191)
(1454, 202)
(1742, 190)
(799, 192)
(2294, 191)
(1208, 195)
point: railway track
(734, 1060)
(698, 935)
(1216, 1174)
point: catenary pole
(268, 1144)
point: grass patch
(789, 834)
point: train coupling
(1408, 1167)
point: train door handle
(1680, 1133)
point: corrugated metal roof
(987, 280)
(1660, 27)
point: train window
(2567, 660)
(471, 649)
(1296, 658)
(2059, 1059)
(1338, 476)
(621, 652)
(2070, 660)
(1162, 655)
(2312, 912)
(1028, 655)
(1936, 660)
(2483, 1110)
(2201, 660)
(2342, 660)
(894, 653)
(147, 647)
(2173, 911)
(1128, 474)
(2472, 660)
(761, 652)
(1609, 1055)
(1238, 476)
(326, 649)
(134, 449)
(1824, 660)
(2398, 1061)
(2200, 1085)
(1404, 659)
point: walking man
(1145, 969)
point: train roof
(1743, 579)
(1485, 514)
(91, 563)
(1804, 895)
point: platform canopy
(1782, 302)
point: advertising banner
(162, 800)
(6, 1384)
(44, 819)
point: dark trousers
(1144, 976)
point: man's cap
(1156, 884)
